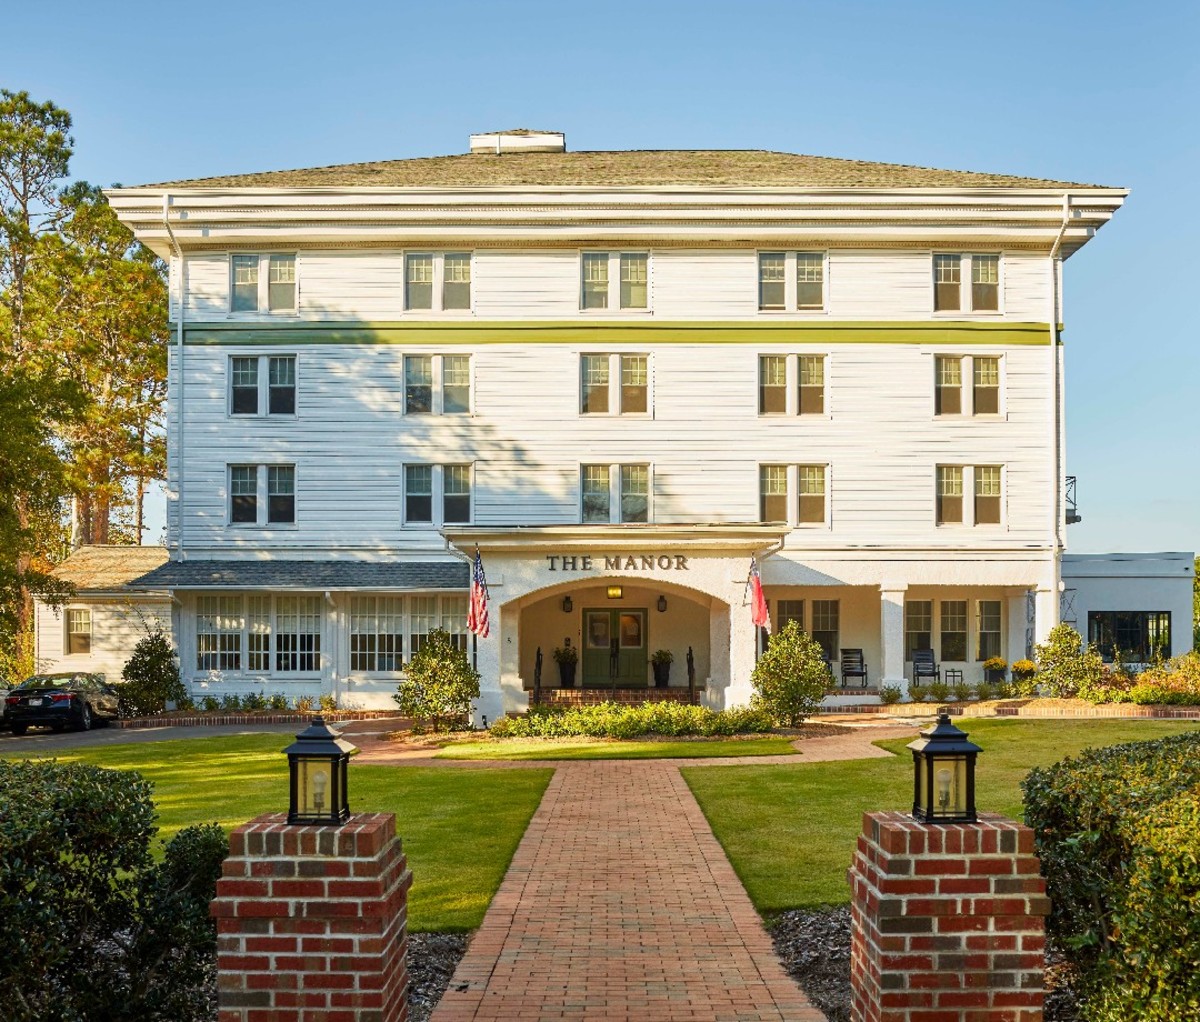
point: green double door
(614, 648)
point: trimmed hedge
(1117, 833)
(616, 720)
(90, 926)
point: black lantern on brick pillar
(944, 775)
(317, 762)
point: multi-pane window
(635, 493)
(596, 493)
(219, 624)
(812, 384)
(949, 376)
(281, 494)
(772, 281)
(262, 283)
(615, 493)
(456, 493)
(789, 610)
(614, 280)
(1138, 636)
(456, 281)
(437, 281)
(610, 382)
(418, 494)
(243, 494)
(422, 619)
(987, 494)
(810, 280)
(265, 634)
(811, 484)
(454, 619)
(446, 488)
(773, 493)
(791, 281)
(948, 385)
(988, 615)
(954, 629)
(250, 374)
(258, 633)
(772, 384)
(377, 633)
(949, 495)
(79, 630)
(825, 626)
(949, 271)
(986, 385)
(297, 634)
(437, 384)
(253, 488)
(418, 281)
(918, 626)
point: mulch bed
(432, 959)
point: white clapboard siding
(543, 284)
(118, 622)
(527, 440)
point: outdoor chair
(854, 666)
(924, 666)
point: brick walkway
(620, 905)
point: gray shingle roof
(753, 168)
(104, 568)
(308, 575)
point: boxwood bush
(617, 720)
(1110, 824)
(91, 927)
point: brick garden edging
(1128, 710)
(312, 922)
(948, 922)
(217, 719)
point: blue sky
(1096, 92)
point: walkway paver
(621, 905)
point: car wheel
(19, 729)
(85, 718)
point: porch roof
(308, 575)
(738, 537)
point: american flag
(758, 602)
(477, 615)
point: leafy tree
(151, 676)
(791, 676)
(1066, 667)
(439, 683)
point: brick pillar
(311, 922)
(948, 922)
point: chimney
(519, 140)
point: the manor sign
(618, 562)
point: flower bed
(215, 718)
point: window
(791, 281)
(258, 633)
(949, 495)
(812, 384)
(437, 281)
(986, 389)
(789, 610)
(987, 494)
(437, 384)
(989, 629)
(262, 382)
(1139, 636)
(812, 494)
(219, 623)
(825, 626)
(948, 386)
(619, 383)
(631, 500)
(773, 493)
(254, 488)
(262, 283)
(423, 619)
(954, 630)
(614, 280)
(298, 634)
(445, 487)
(949, 271)
(772, 384)
(918, 626)
(949, 374)
(79, 630)
(280, 634)
(377, 633)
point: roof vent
(519, 140)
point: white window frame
(791, 275)
(450, 614)
(614, 282)
(264, 385)
(614, 489)
(438, 394)
(615, 408)
(793, 492)
(792, 385)
(261, 495)
(264, 286)
(967, 386)
(68, 632)
(968, 496)
(965, 292)
(437, 496)
(439, 282)
(245, 630)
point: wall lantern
(662, 604)
(567, 605)
(615, 592)
(944, 775)
(317, 762)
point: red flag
(477, 614)
(758, 602)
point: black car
(60, 700)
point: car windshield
(48, 681)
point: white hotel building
(621, 375)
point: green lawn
(459, 827)
(603, 748)
(790, 830)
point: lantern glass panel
(315, 783)
(949, 786)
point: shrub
(231, 702)
(918, 693)
(440, 682)
(985, 691)
(90, 926)
(616, 720)
(963, 691)
(1005, 690)
(151, 677)
(254, 701)
(304, 704)
(1066, 667)
(327, 702)
(277, 702)
(210, 703)
(790, 677)
(939, 690)
(889, 695)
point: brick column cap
(363, 835)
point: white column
(1047, 610)
(743, 638)
(891, 634)
(1016, 628)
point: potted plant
(566, 657)
(660, 661)
(995, 668)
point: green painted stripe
(293, 333)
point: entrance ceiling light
(662, 604)
(615, 592)
(567, 605)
